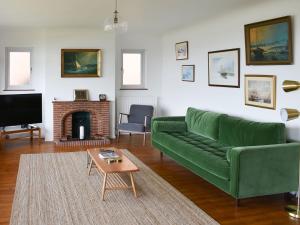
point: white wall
(152, 44)
(62, 88)
(226, 32)
(46, 65)
(24, 38)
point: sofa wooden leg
(161, 155)
(237, 202)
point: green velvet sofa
(241, 157)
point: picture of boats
(269, 42)
(260, 91)
(81, 63)
(224, 68)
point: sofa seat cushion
(134, 127)
(238, 132)
(199, 150)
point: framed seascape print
(81, 62)
(188, 73)
(260, 91)
(224, 68)
(269, 42)
(182, 50)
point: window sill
(133, 89)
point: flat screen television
(20, 109)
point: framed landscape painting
(260, 91)
(182, 50)
(224, 68)
(188, 73)
(269, 42)
(81, 62)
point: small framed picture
(269, 42)
(81, 95)
(182, 50)
(188, 73)
(260, 91)
(224, 68)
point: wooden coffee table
(115, 182)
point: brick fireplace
(99, 114)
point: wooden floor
(220, 206)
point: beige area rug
(54, 189)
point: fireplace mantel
(62, 117)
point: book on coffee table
(110, 156)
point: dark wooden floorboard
(220, 206)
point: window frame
(8, 50)
(142, 86)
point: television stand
(30, 129)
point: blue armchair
(139, 120)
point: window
(18, 68)
(133, 69)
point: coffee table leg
(132, 184)
(104, 185)
(90, 167)
(87, 159)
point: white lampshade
(121, 26)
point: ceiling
(152, 15)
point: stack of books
(110, 156)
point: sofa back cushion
(235, 131)
(203, 122)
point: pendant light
(115, 23)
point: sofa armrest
(264, 170)
(172, 126)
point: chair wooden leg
(144, 140)
(161, 155)
(118, 136)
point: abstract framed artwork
(182, 50)
(224, 68)
(188, 73)
(260, 91)
(269, 42)
(81, 62)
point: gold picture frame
(269, 42)
(81, 95)
(260, 91)
(81, 63)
